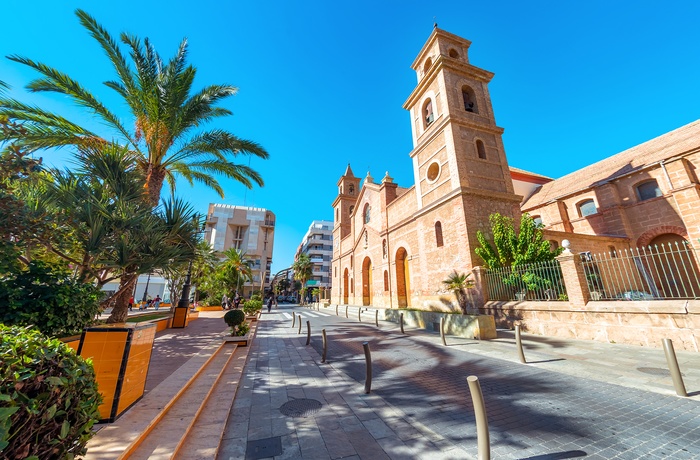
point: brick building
(394, 245)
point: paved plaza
(575, 399)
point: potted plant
(239, 328)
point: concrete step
(204, 437)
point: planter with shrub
(252, 309)
(239, 328)
(48, 397)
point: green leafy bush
(49, 299)
(48, 397)
(234, 317)
(257, 297)
(251, 307)
(241, 330)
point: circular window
(433, 172)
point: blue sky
(323, 83)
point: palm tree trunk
(154, 184)
(120, 309)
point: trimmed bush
(234, 317)
(48, 397)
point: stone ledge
(678, 307)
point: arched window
(337, 214)
(426, 67)
(384, 249)
(613, 251)
(648, 190)
(352, 208)
(453, 53)
(351, 189)
(367, 213)
(537, 220)
(586, 208)
(469, 99)
(386, 280)
(438, 234)
(553, 245)
(428, 115)
(480, 149)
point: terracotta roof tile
(676, 142)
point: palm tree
(303, 269)
(458, 283)
(236, 268)
(166, 122)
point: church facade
(394, 245)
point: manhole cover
(300, 407)
(660, 371)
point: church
(394, 245)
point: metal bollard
(672, 362)
(299, 331)
(519, 345)
(325, 345)
(376, 318)
(482, 424)
(294, 319)
(401, 322)
(368, 363)
(336, 310)
(346, 311)
(359, 314)
(308, 332)
(442, 331)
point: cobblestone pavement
(533, 413)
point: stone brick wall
(634, 323)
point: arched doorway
(366, 281)
(346, 277)
(675, 268)
(403, 284)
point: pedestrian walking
(270, 300)
(237, 301)
(156, 302)
(131, 303)
(224, 302)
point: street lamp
(183, 305)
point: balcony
(268, 223)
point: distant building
(318, 245)
(252, 230)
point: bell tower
(457, 151)
(343, 205)
(455, 136)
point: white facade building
(318, 245)
(246, 228)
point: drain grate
(300, 407)
(660, 371)
(264, 448)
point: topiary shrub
(234, 317)
(48, 397)
(256, 297)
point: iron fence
(539, 281)
(664, 271)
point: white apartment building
(318, 245)
(249, 229)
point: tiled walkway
(575, 399)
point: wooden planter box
(121, 355)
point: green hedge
(49, 299)
(48, 397)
